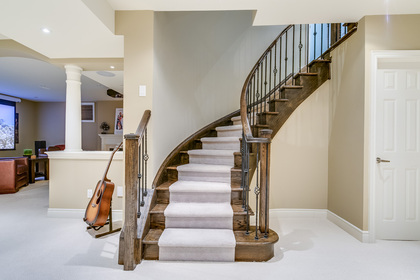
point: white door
(398, 141)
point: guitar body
(97, 210)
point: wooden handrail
(141, 128)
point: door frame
(376, 56)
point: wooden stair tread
(261, 126)
(152, 236)
(279, 100)
(291, 87)
(165, 186)
(249, 239)
(306, 74)
(268, 113)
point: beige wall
(138, 28)
(201, 62)
(346, 147)
(349, 154)
(51, 122)
(299, 163)
(72, 174)
(104, 112)
(27, 128)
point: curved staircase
(200, 209)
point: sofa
(41, 152)
(14, 174)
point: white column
(73, 140)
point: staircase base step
(249, 249)
(197, 245)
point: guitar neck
(109, 162)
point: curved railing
(289, 56)
(136, 157)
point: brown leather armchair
(14, 174)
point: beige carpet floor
(33, 246)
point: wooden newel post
(131, 151)
(265, 181)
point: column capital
(73, 72)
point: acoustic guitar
(97, 210)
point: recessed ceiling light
(112, 66)
(46, 30)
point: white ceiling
(85, 29)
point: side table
(32, 164)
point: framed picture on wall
(119, 124)
(88, 112)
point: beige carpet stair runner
(199, 216)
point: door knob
(379, 160)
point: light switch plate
(89, 193)
(119, 191)
(142, 90)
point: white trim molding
(77, 213)
(362, 236)
(298, 213)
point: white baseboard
(362, 236)
(77, 213)
(295, 213)
(298, 213)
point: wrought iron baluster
(146, 158)
(307, 46)
(139, 193)
(322, 39)
(314, 42)
(285, 60)
(142, 171)
(265, 86)
(300, 48)
(266, 193)
(293, 55)
(257, 193)
(328, 35)
(275, 68)
(280, 61)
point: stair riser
(157, 221)
(265, 118)
(235, 179)
(196, 254)
(230, 133)
(204, 176)
(277, 105)
(243, 253)
(234, 146)
(199, 222)
(201, 197)
(236, 197)
(216, 160)
(306, 80)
